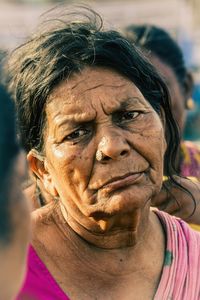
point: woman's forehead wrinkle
(70, 114)
(99, 86)
(111, 93)
(77, 84)
(78, 117)
(115, 105)
(89, 89)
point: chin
(123, 201)
(114, 222)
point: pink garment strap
(180, 278)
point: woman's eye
(129, 115)
(79, 133)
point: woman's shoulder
(177, 230)
(172, 224)
(44, 229)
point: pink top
(39, 283)
(180, 278)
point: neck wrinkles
(115, 262)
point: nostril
(106, 158)
(124, 152)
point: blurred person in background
(14, 210)
(93, 115)
(192, 127)
(165, 54)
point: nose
(112, 147)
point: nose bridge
(113, 143)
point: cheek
(71, 168)
(154, 151)
(149, 141)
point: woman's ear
(38, 166)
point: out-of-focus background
(18, 18)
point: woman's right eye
(77, 134)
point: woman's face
(13, 252)
(178, 99)
(100, 110)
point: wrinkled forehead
(95, 87)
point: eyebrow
(84, 118)
(128, 103)
(75, 119)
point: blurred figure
(165, 54)
(192, 127)
(14, 211)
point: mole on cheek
(73, 157)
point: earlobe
(39, 167)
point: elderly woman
(14, 212)
(93, 115)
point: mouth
(121, 182)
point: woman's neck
(118, 231)
(79, 266)
(141, 247)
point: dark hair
(55, 54)
(159, 42)
(9, 150)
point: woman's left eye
(127, 116)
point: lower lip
(121, 183)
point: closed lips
(121, 181)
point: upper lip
(113, 179)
